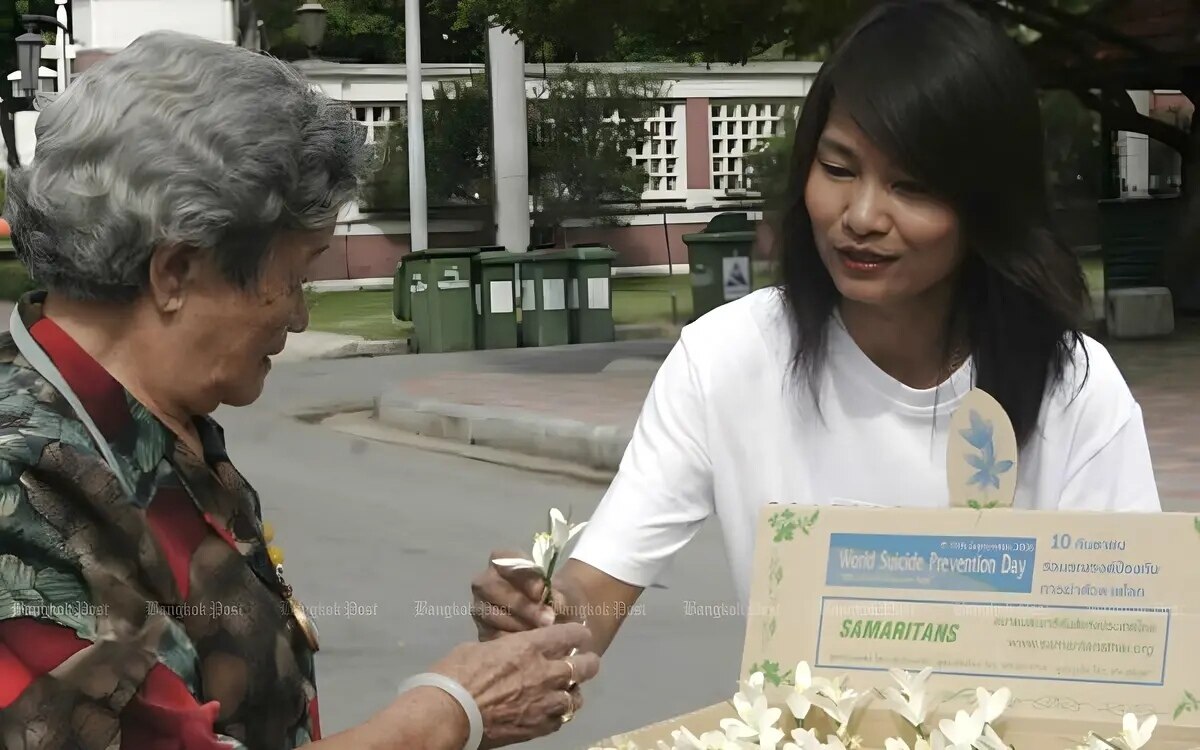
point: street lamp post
(29, 52)
(312, 19)
(29, 55)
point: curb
(366, 349)
(594, 446)
(646, 331)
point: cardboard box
(1083, 616)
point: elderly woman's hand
(524, 684)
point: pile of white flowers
(755, 727)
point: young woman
(918, 261)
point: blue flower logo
(987, 468)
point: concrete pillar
(417, 198)
(698, 139)
(1135, 153)
(510, 149)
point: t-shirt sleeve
(663, 490)
(1117, 475)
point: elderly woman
(178, 193)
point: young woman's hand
(510, 601)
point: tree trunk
(9, 131)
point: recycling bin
(402, 290)
(443, 308)
(545, 319)
(590, 294)
(494, 278)
(720, 260)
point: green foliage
(786, 523)
(676, 30)
(771, 673)
(771, 162)
(583, 126)
(14, 280)
(457, 151)
(1188, 704)
(372, 31)
(1073, 156)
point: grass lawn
(362, 313)
(647, 299)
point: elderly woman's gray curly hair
(179, 140)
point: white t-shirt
(728, 428)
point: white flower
(963, 731)
(911, 684)
(992, 705)
(990, 740)
(895, 743)
(561, 530)
(798, 699)
(911, 707)
(1136, 737)
(833, 742)
(547, 546)
(685, 740)
(543, 555)
(835, 699)
(756, 718)
(804, 739)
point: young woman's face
(885, 241)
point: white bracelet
(459, 693)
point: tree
(1096, 49)
(583, 126)
(371, 31)
(457, 152)
(683, 30)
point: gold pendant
(307, 626)
(303, 621)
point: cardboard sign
(1084, 616)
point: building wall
(709, 120)
(114, 24)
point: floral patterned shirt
(150, 621)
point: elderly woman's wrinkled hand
(526, 685)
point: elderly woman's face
(230, 334)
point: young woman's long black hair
(948, 96)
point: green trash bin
(402, 290)
(545, 319)
(590, 294)
(494, 277)
(720, 262)
(443, 306)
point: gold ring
(570, 712)
(571, 681)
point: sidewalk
(587, 418)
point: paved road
(399, 533)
